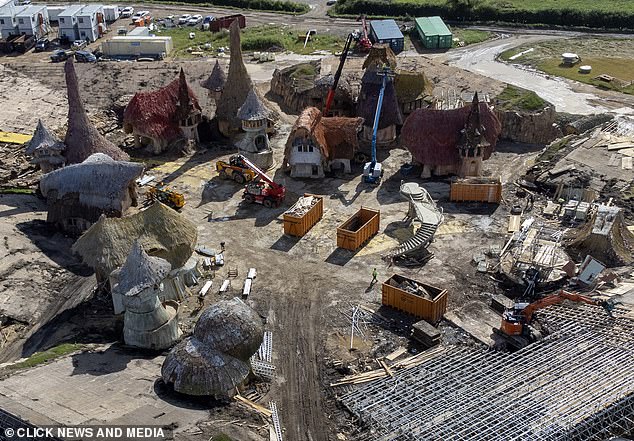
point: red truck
(225, 22)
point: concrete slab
(477, 319)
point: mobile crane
(363, 43)
(515, 326)
(333, 88)
(235, 169)
(372, 171)
(262, 189)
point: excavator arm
(555, 299)
(335, 82)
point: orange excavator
(516, 321)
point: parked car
(331, 2)
(42, 45)
(127, 12)
(184, 19)
(85, 57)
(60, 55)
(139, 15)
(79, 44)
(194, 20)
(209, 19)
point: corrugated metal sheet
(385, 29)
(432, 26)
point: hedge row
(486, 12)
(262, 5)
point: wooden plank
(386, 368)
(620, 145)
(394, 355)
(205, 289)
(514, 223)
(260, 409)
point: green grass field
(48, 355)
(470, 36)
(613, 57)
(257, 38)
(514, 98)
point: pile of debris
(412, 287)
(302, 206)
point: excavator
(372, 171)
(167, 196)
(516, 321)
(260, 189)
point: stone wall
(531, 128)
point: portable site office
(434, 33)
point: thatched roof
(216, 81)
(160, 230)
(253, 108)
(232, 327)
(43, 139)
(99, 181)
(82, 138)
(604, 237)
(215, 359)
(380, 55)
(195, 369)
(411, 86)
(141, 271)
(336, 137)
(369, 97)
(157, 114)
(432, 136)
(238, 82)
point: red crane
(262, 190)
(333, 88)
(364, 42)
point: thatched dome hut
(148, 323)
(46, 150)
(215, 83)
(77, 195)
(82, 138)
(236, 88)
(215, 359)
(161, 231)
(162, 117)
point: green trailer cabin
(434, 33)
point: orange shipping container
(358, 229)
(430, 308)
(476, 190)
(298, 226)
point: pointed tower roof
(473, 131)
(43, 138)
(238, 81)
(217, 79)
(253, 108)
(82, 138)
(185, 105)
(141, 271)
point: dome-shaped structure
(215, 359)
(195, 369)
(232, 327)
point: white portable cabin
(54, 11)
(68, 23)
(33, 21)
(91, 22)
(111, 13)
(8, 22)
(137, 46)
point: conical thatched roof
(99, 181)
(215, 359)
(216, 81)
(160, 230)
(82, 138)
(253, 108)
(238, 82)
(369, 97)
(232, 327)
(43, 139)
(141, 271)
(195, 369)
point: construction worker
(201, 300)
(222, 247)
(374, 279)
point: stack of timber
(500, 303)
(476, 190)
(425, 333)
(301, 217)
(416, 298)
(358, 229)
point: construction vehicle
(363, 41)
(235, 169)
(516, 321)
(342, 59)
(372, 171)
(165, 195)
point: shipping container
(358, 229)
(429, 305)
(111, 13)
(137, 46)
(225, 22)
(298, 226)
(476, 190)
(433, 33)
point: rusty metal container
(298, 226)
(429, 307)
(358, 229)
(476, 190)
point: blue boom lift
(372, 171)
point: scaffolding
(576, 384)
